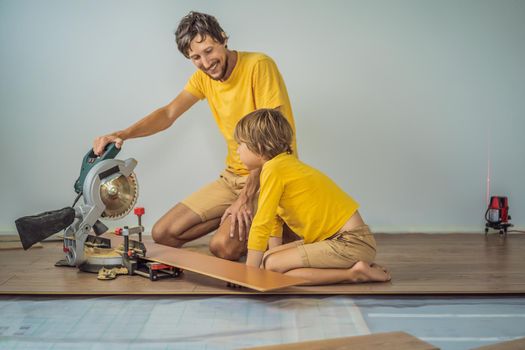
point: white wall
(398, 101)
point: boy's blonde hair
(266, 132)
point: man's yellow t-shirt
(307, 200)
(254, 83)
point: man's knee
(161, 234)
(225, 248)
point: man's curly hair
(197, 23)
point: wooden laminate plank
(383, 341)
(9, 238)
(8, 242)
(224, 270)
(516, 344)
(16, 245)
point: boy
(337, 246)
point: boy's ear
(225, 38)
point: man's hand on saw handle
(101, 142)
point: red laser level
(497, 215)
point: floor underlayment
(230, 322)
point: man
(235, 84)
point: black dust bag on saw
(35, 228)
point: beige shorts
(212, 200)
(340, 251)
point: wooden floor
(517, 344)
(383, 341)
(419, 264)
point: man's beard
(223, 72)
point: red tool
(497, 215)
(139, 211)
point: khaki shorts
(212, 200)
(341, 251)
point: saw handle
(110, 152)
(90, 160)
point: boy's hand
(241, 213)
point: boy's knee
(271, 262)
(265, 257)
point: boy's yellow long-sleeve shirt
(308, 201)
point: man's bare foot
(363, 272)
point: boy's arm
(156, 121)
(266, 222)
(254, 258)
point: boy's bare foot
(363, 272)
(381, 267)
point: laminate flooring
(420, 264)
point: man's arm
(241, 210)
(156, 121)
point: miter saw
(110, 190)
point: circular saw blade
(119, 194)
